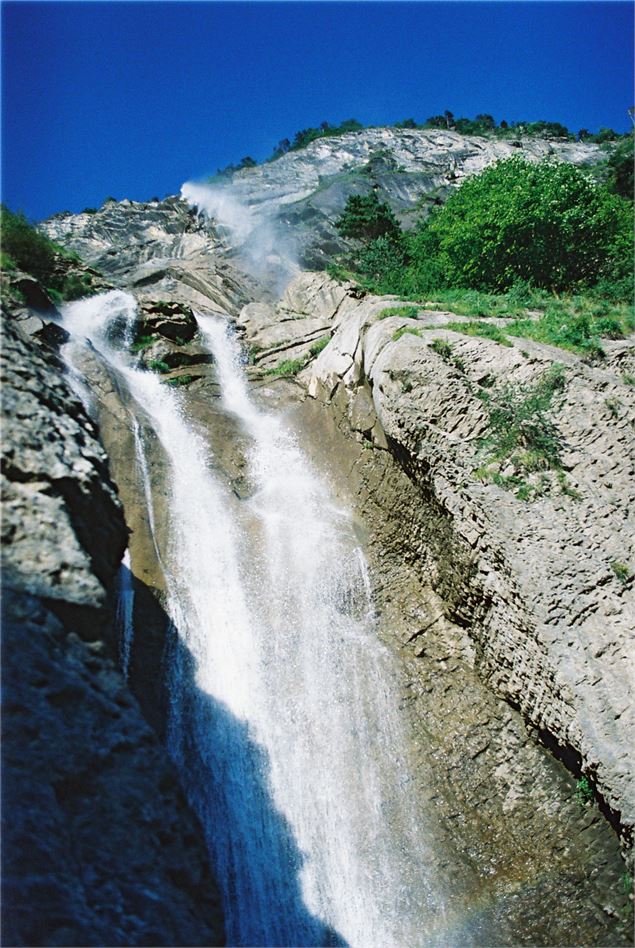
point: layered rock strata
(99, 846)
(534, 584)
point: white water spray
(283, 712)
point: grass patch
(446, 351)
(621, 571)
(179, 380)
(403, 330)
(575, 321)
(406, 312)
(319, 345)
(141, 343)
(614, 405)
(286, 369)
(483, 330)
(523, 443)
(628, 379)
(477, 303)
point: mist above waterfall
(261, 244)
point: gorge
(301, 678)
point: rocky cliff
(99, 846)
(536, 583)
(281, 214)
(511, 617)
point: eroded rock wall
(533, 583)
(99, 846)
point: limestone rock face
(99, 846)
(535, 584)
(288, 206)
(158, 250)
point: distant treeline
(481, 124)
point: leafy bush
(28, 248)
(179, 380)
(76, 286)
(544, 223)
(141, 343)
(583, 791)
(620, 167)
(621, 571)
(521, 435)
(442, 348)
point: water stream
(283, 709)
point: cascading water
(125, 612)
(283, 717)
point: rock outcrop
(543, 588)
(99, 846)
(288, 207)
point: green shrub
(156, 365)
(620, 168)
(7, 262)
(521, 435)
(76, 286)
(406, 312)
(545, 223)
(179, 380)
(621, 571)
(286, 369)
(583, 792)
(320, 344)
(27, 247)
(141, 343)
(442, 348)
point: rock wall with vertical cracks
(99, 845)
(513, 629)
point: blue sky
(131, 99)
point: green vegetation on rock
(406, 312)
(405, 330)
(621, 571)
(26, 248)
(540, 242)
(286, 369)
(522, 440)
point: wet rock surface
(99, 846)
(511, 623)
(533, 584)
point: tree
(486, 120)
(620, 165)
(449, 118)
(436, 121)
(365, 217)
(546, 223)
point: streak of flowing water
(284, 719)
(125, 612)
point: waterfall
(125, 612)
(283, 706)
